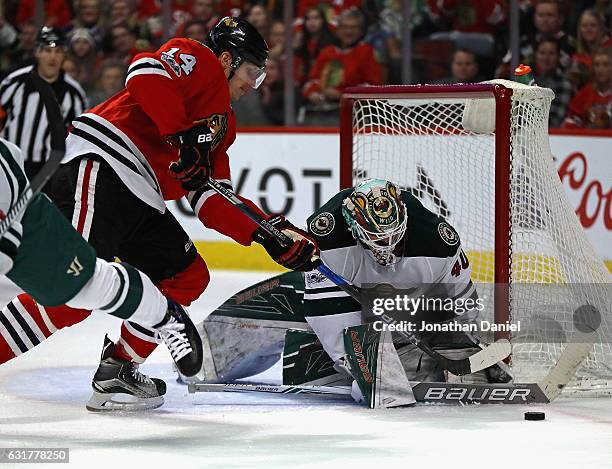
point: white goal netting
(441, 145)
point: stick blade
(490, 355)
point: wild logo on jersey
(217, 123)
(323, 224)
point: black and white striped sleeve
(197, 198)
(12, 184)
(146, 66)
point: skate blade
(117, 402)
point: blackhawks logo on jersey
(217, 123)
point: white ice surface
(43, 395)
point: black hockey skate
(182, 339)
(118, 385)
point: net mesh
(442, 149)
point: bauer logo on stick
(448, 234)
(323, 224)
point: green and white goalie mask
(376, 217)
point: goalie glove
(193, 168)
(302, 254)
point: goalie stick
(57, 133)
(542, 392)
(483, 359)
(271, 388)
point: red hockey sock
(136, 342)
(24, 324)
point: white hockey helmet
(376, 217)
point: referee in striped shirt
(22, 111)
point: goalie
(372, 235)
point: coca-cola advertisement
(584, 164)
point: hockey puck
(535, 416)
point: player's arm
(217, 213)
(329, 310)
(13, 182)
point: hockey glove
(302, 254)
(193, 168)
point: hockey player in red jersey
(159, 139)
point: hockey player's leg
(137, 342)
(129, 294)
(118, 367)
(24, 323)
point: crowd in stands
(340, 43)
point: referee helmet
(49, 36)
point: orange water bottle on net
(523, 74)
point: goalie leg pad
(376, 367)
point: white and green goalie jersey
(429, 254)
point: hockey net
(479, 156)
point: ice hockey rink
(43, 395)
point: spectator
(258, 16)
(22, 53)
(195, 29)
(276, 38)
(591, 107)
(232, 7)
(70, 68)
(204, 10)
(548, 74)
(604, 9)
(548, 21)
(473, 23)
(111, 81)
(464, 68)
(123, 12)
(8, 33)
(349, 64)
(313, 36)
(123, 42)
(89, 16)
(57, 12)
(591, 36)
(83, 53)
(330, 8)
(150, 21)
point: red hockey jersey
(167, 91)
(339, 68)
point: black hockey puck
(535, 416)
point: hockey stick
(476, 362)
(446, 393)
(271, 388)
(57, 133)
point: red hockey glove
(193, 168)
(302, 254)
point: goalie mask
(376, 217)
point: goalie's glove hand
(302, 254)
(193, 168)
